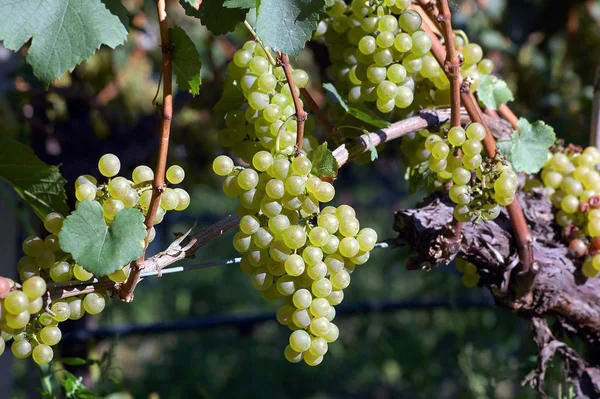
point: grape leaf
(420, 177)
(374, 154)
(63, 32)
(231, 98)
(186, 61)
(360, 113)
(99, 248)
(215, 16)
(324, 163)
(286, 25)
(40, 185)
(529, 147)
(117, 8)
(240, 3)
(493, 92)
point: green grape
(130, 199)
(301, 318)
(249, 224)
(386, 90)
(318, 347)
(280, 169)
(440, 150)
(367, 45)
(471, 162)
(222, 165)
(76, 310)
(109, 165)
(403, 42)
(332, 245)
(476, 131)
(485, 66)
(506, 187)
(461, 176)
(35, 306)
(85, 192)
(275, 188)
(319, 326)
(456, 136)
(175, 174)
(261, 279)
(412, 63)
(94, 303)
(284, 314)
(62, 311)
(456, 191)
(21, 349)
(291, 355)
(53, 222)
(569, 204)
(462, 213)
(340, 280)
(396, 73)
(317, 271)
(262, 238)
(300, 341)
(142, 174)
(334, 263)
(421, 43)
(242, 57)
(472, 53)
(349, 227)
(247, 179)
(32, 246)
(295, 185)
(169, 199)
(349, 247)
(16, 302)
(302, 298)
(332, 334)
(183, 199)
(383, 57)
(472, 147)
(321, 288)
(17, 321)
(81, 274)
(42, 354)
(86, 179)
(50, 335)
(120, 275)
(325, 192)
(409, 21)
(111, 207)
(34, 287)
(294, 265)
(376, 74)
(335, 297)
(312, 255)
(404, 97)
(319, 307)
(367, 238)
(118, 187)
(145, 199)
(311, 359)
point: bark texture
(558, 289)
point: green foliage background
(439, 353)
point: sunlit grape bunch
(480, 185)
(292, 248)
(470, 274)
(267, 119)
(380, 54)
(29, 316)
(572, 180)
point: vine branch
(314, 107)
(125, 293)
(301, 115)
(522, 233)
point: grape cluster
(470, 275)
(380, 54)
(571, 179)
(28, 316)
(292, 249)
(267, 118)
(480, 185)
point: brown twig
(522, 233)
(126, 291)
(507, 114)
(314, 107)
(301, 115)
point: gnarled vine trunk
(559, 289)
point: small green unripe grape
(332, 245)
(563, 219)
(349, 247)
(242, 57)
(319, 307)
(485, 66)
(223, 165)
(130, 199)
(22, 349)
(16, 302)
(421, 43)
(462, 213)
(476, 131)
(340, 280)
(61, 310)
(312, 255)
(142, 173)
(294, 185)
(302, 298)
(291, 355)
(85, 179)
(17, 321)
(35, 306)
(249, 224)
(284, 314)
(32, 246)
(311, 359)
(169, 199)
(387, 23)
(46, 319)
(294, 265)
(301, 318)
(431, 140)
(569, 204)
(262, 238)
(111, 207)
(119, 276)
(318, 236)
(94, 303)
(300, 341)
(118, 187)
(85, 192)
(472, 162)
(319, 326)
(396, 73)
(81, 274)
(321, 288)
(334, 263)
(317, 271)
(109, 165)
(262, 279)
(300, 78)
(367, 45)
(457, 190)
(461, 176)
(42, 354)
(175, 174)
(472, 147)
(34, 287)
(50, 335)
(301, 166)
(241, 242)
(53, 222)
(472, 53)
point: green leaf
(529, 148)
(286, 25)
(504, 147)
(118, 9)
(194, 3)
(420, 177)
(324, 163)
(215, 16)
(40, 185)
(374, 154)
(493, 92)
(358, 112)
(231, 98)
(240, 4)
(99, 248)
(186, 61)
(63, 32)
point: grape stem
(528, 268)
(314, 107)
(125, 293)
(260, 43)
(301, 115)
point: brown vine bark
(560, 290)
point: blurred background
(208, 333)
